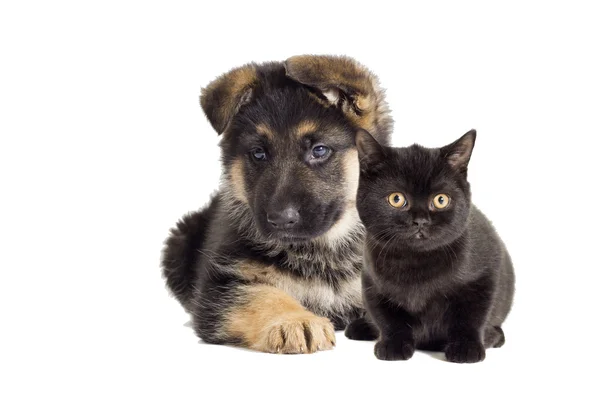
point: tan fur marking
(234, 86)
(236, 177)
(265, 130)
(347, 223)
(351, 173)
(259, 273)
(306, 127)
(272, 321)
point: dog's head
(288, 147)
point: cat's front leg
(466, 320)
(396, 341)
(394, 348)
(361, 329)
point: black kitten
(436, 274)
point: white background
(103, 146)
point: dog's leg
(238, 304)
(269, 320)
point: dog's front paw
(298, 333)
(394, 349)
(465, 352)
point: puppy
(273, 262)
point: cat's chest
(419, 287)
(424, 298)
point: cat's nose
(421, 222)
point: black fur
(444, 285)
(181, 252)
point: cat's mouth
(420, 235)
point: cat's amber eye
(441, 201)
(397, 200)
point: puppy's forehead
(292, 115)
(304, 130)
(299, 130)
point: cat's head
(414, 197)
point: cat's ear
(458, 153)
(370, 152)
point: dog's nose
(421, 222)
(284, 219)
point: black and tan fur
(274, 286)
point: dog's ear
(345, 83)
(224, 96)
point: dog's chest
(323, 280)
(326, 289)
(322, 297)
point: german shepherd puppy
(273, 262)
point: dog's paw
(394, 349)
(465, 352)
(298, 334)
(361, 329)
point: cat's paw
(465, 352)
(361, 329)
(493, 337)
(394, 349)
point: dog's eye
(259, 154)
(320, 151)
